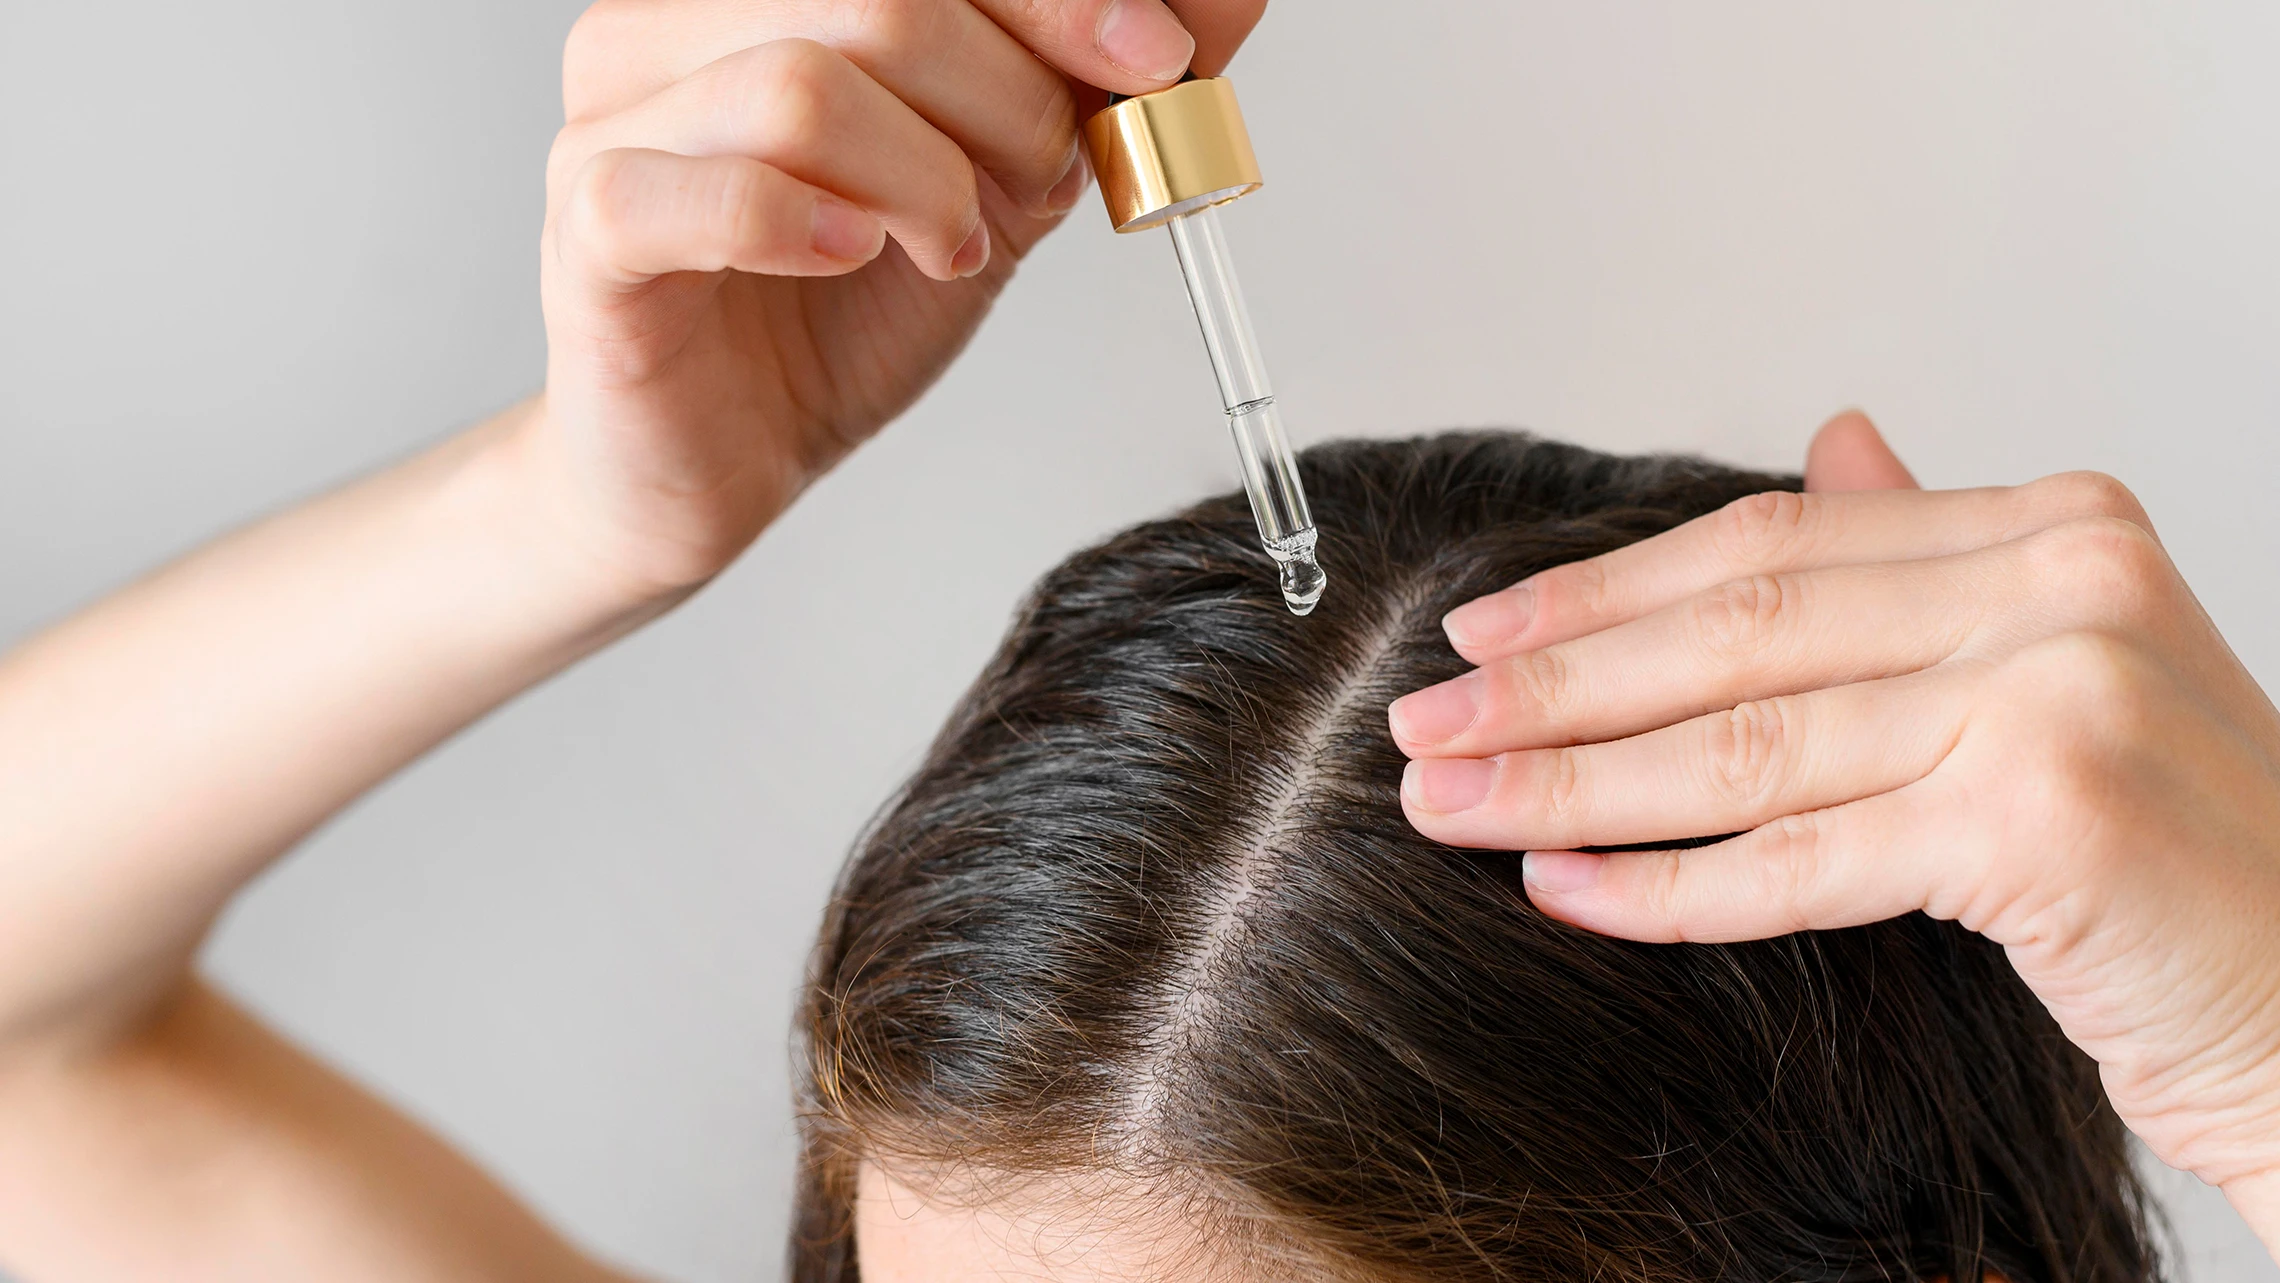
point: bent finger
(635, 215)
(806, 110)
(1722, 773)
(1014, 115)
(1773, 533)
(1862, 862)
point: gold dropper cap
(1171, 152)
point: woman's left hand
(1998, 706)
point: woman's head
(1144, 975)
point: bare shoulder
(207, 1146)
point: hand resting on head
(2002, 707)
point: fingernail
(974, 255)
(843, 231)
(1491, 620)
(1143, 37)
(1437, 714)
(1065, 193)
(1560, 871)
(1446, 785)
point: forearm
(160, 748)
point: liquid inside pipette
(1302, 577)
(1270, 471)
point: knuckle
(1038, 17)
(1661, 889)
(599, 203)
(1739, 618)
(2090, 494)
(2086, 679)
(1578, 590)
(1794, 856)
(595, 44)
(2111, 562)
(797, 81)
(1744, 748)
(962, 200)
(2071, 743)
(2079, 719)
(1762, 529)
(1563, 788)
(1053, 129)
(1543, 682)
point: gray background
(253, 247)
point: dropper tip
(1302, 583)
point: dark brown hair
(1150, 906)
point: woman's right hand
(771, 223)
(764, 236)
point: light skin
(2002, 707)
(770, 225)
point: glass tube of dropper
(1270, 473)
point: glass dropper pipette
(1270, 473)
(1171, 158)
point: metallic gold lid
(1168, 153)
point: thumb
(1848, 453)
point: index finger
(1777, 532)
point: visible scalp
(1152, 904)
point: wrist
(513, 480)
(631, 523)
